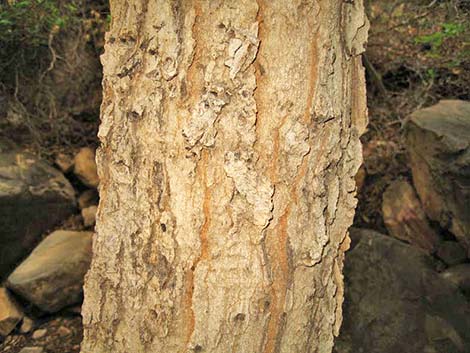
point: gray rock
(460, 276)
(396, 302)
(33, 198)
(438, 142)
(10, 313)
(451, 252)
(52, 276)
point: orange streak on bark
(275, 157)
(204, 245)
(281, 272)
(206, 208)
(279, 285)
(188, 303)
(312, 80)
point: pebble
(27, 325)
(63, 331)
(89, 216)
(39, 333)
(64, 162)
(32, 350)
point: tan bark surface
(230, 140)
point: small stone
(85, 167)
(39, 333)
(451, 252)
(89, 216)
(10, 314)
(32, 350)
(88, 198)
(27, 325)
(64, 162)
(64, 331)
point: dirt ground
(418, 53)
(63, 335)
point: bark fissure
(204, 242)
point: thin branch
(53, 54)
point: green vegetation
(28, 29)
(49, 69)
(30, 22)
(437, 39)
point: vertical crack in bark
(276, 147)
(195, 82)
(258, 67)
(188, 304)
(206, 207)
(279, 286)
(204, 245)
(283, 273)
(312, 78)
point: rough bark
(230, 140)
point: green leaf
(22, 4)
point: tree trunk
(230, 140)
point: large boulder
(10, 313)
(438, 142)
(404, 217)
(52, 276)
(396, 302)
(34, 197)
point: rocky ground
(407, 281)
(41, 295)
(51, 334)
